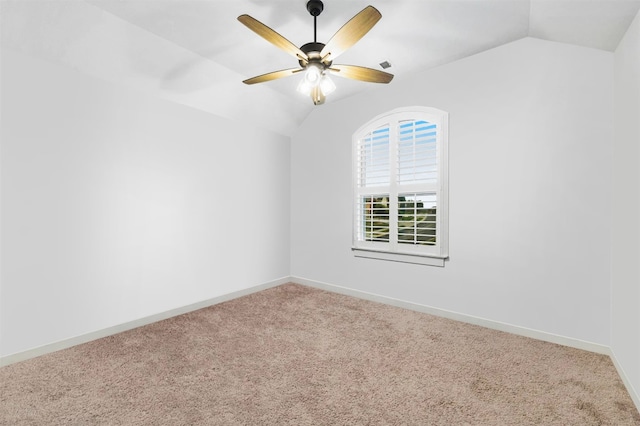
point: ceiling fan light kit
(316, 59)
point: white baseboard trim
(495, 325)
(635, 395)
(84, 338)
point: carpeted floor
(294, 355)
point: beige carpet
(294, 355)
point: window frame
(410, 253)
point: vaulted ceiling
(196, 52)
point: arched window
(400, 187)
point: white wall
(625, 330)
(530, 176)
(117, 205)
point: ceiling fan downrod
(315, 8)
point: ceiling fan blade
(272, 37)
(272, 76)
(361, 73)
(350, 33)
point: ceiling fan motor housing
(313, 50)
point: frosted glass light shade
(304, 87)
(327, 85)
(313, 73)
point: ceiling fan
(316, 59)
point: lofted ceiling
(197, 53)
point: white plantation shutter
(373, 170)
(417, 152)
(417, 219)
(375, 218)
(400, 186)
(373, 158)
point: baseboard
(496, 325)
(84, 338)
(633, 393)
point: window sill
(399, 257)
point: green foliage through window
(417, 219)
(376, 218)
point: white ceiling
(196, 52)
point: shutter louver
(417, 154)
(373, 158)
(374, 171)
(375, 218)
(417, 219)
